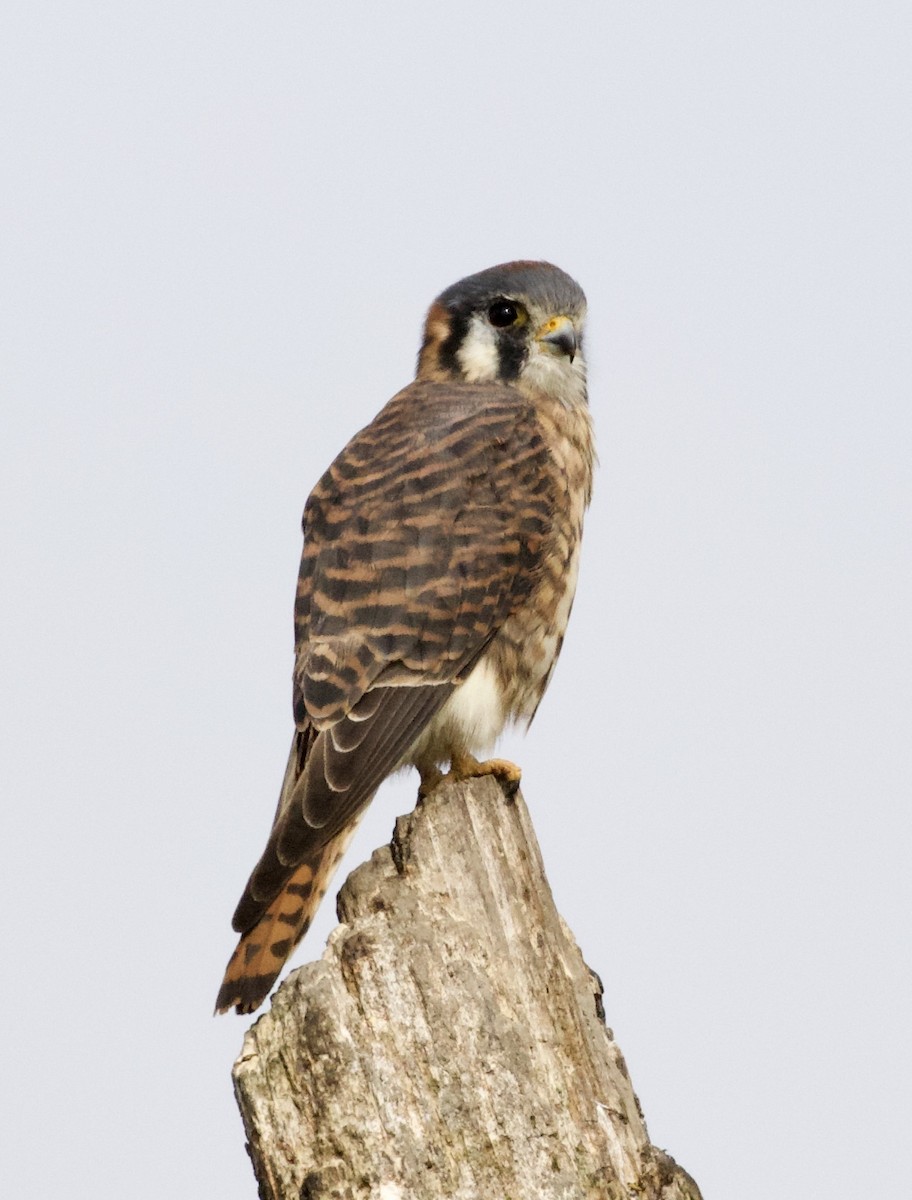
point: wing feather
(420, 539)
(321, 797)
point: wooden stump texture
(451, 1043)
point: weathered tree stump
(450, 1044)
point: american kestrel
(440, 560)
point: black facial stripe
(512, 352)
(459, 327)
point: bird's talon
(507, 773)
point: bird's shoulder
(429, 427)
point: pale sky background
(221, 226)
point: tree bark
(450, 1044)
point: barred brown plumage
(439, 565)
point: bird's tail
(261, 953)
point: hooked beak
(558, 336)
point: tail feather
(262, 951)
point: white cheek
(478, 354)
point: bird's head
(520, 323)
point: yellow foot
(506, 773)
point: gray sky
(222, 224)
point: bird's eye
(503, 313)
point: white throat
(556, 377)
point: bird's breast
(527, 647)
(526, 650)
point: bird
(440, 560)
